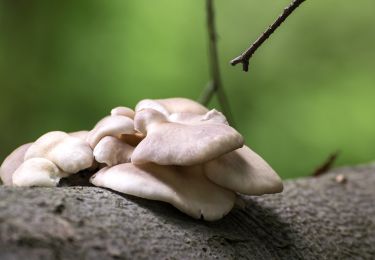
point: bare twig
(327, 165)
(215, 85)
(245, 56)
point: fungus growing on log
(70, 154)
(112, 151)
(12, 162)
(37, 172)
(243, 171)
(186, 188)
(169, 143)
(115, 126)
(172, 150)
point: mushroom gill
(186, 188)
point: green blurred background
(310, 90)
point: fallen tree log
(314, 218)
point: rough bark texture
(314, 218)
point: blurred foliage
(310, 89)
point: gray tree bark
(314, 218)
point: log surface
(314, 218)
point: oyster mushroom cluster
(173, 150)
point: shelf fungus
(172, 150)
(53, 156)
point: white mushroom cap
(151, 104)
(186, 188)
(80, 134)
(112, 151)
(212, 116)
(169, 143)
(83, 136)
(110, 126)
(172, 105)
(145, 118)
(123, 111)
(37, 172)
(70, 154)
(12, 162)
(243, 171)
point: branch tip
(246, 56)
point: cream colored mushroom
(83, 136)
(112, 151)
(110, 126)
(12, 162)
(168, 143)
(243, 171)
(172, 105)
(151, 104)
(212, 116)
(146, 118)
(123, 111)
(80, 134)
(70, 154)
(37, 172)
(186, 188)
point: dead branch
(326, 165)
(246, 56)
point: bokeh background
(310, 90)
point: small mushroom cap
(172, 105)
(243, 171)
(70, 154)
(151, 104)
(146, 118)
(112, 151)
(186, 188)
(110, 126)
(169, 143)
(37, 172)
(83, 136)
(212, 116)
(180, 105)
(80, 134)
(12, 162)
(123, 111)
